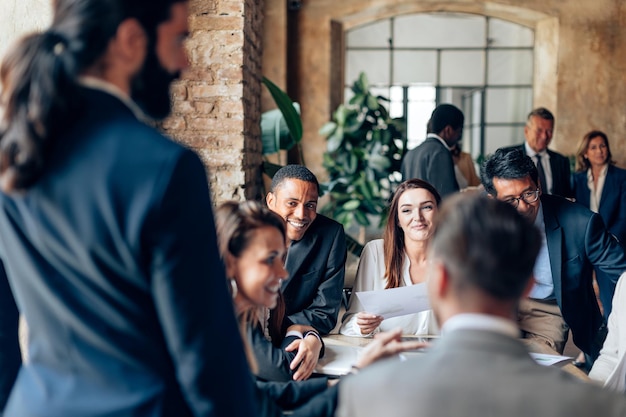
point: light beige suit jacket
(473, 373)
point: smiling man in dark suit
(574, 243)
(316, 256)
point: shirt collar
(433, 135)
(474, 321)
(107, 87)
(531, 152)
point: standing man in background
(107, 227)
(553, 168)
(432, 161)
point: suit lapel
(554, 240)
(607, 197)
(296, 254)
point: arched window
(484, 65)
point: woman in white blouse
(398, 260)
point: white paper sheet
(395, 302)
(338, 360)
(548, 360)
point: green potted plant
(281, 128)
(363, 157)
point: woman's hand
(384, 345)
(306, 359)
(368, 322)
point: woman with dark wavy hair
(397, 260)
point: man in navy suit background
(107, 228)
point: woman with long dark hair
(397, 260)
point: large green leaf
(286, 107)
(275, 133)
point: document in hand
(395, 302)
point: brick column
(216, 106)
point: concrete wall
(579, 64)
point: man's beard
(150, 88)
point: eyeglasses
(528, 197)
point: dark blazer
(113, 259)
(310, 398)
(272, 361)
(613, 212)
(559, 165)
(316, 266)
(472, 373)
(431, 161)
(612, 202)
(578, 243)
(10, 354)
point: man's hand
(368, 322)
(384, 345)
(308, 352)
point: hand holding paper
(395, 302)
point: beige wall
(579, 65)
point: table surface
(532, 345)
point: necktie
(542, 175)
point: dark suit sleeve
(323, 311)
(304, 398)
(190, 296)
(10, 355)
(272, 362)
(605, 253)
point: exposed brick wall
(216, 108)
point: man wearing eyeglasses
(574, 243)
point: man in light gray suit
(482, 256)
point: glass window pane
(372, 35)
(414, 67)
(439, 30)
(499, 136)
(503, 33)
(508, 105)
(422, 93)
(374, 63)
(396, 93)
(419, 113)
(396, 109)
(510, 68)
(462, 68)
